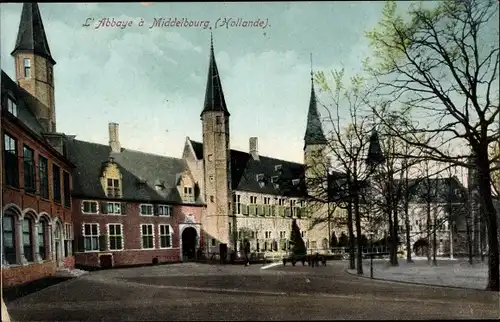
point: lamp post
(374, 158)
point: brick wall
(16, 275)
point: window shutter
(104, 208)
(102, 242)
(80, 244)
(124, 208)
(156, 210)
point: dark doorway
(420, 247)
(106, 261)
(189, 243)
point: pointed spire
(375, 155)
(214, 96)
(31, 35)
(314, 131)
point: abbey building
(70, 202)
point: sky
(152, 80)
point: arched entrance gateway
(189, 238)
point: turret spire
(31, 35)
(314, 131)
(214, 96)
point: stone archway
(189, 238)
(420, 247)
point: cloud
(87, 7)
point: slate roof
(244, 171)
(314, 131)
(442, 190)
(26, 103)
(214, 96)
(141, 172)
(31, 35)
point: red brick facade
(131, 234)
(20, 205)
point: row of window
(267, 201)
(269, 210)
(271, 245)
(34, 170)
(90, 207)
(93, 240)
(30, 232)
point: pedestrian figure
(247, 252)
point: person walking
(247, 252)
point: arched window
(9, 239)
(42, 233)
(27, 239)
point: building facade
(37, 230)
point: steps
(70, 272)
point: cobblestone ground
(214, 292)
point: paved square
(213, 292)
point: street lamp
(374, 158)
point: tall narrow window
(56, 177)
(42, 226)
(43, 173)
(165, 236)
(9, 239)
(67, 190)
(11, 106)
(147, 236)
(11, 161)
(115, 236)
(29, 169)
(27, 68)
(50, 75)
(27, 239)
(91, 237)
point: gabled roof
(245, 171)
(441, 190)
(214, 95)
(140, 171)
(314, 131)
(26, 104)
(31, 35)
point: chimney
(114, 142)
(254, 148)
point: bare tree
(442, 63)
(348, 140)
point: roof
(26, 119)
(31, 35)
(314, 131)
(26, 104)
(441, 190)
(214, 96)
(140, 171)
(260, 175)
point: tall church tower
(34, 64)
(216, 159)
(314, 144)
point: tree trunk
(491, 220)
(428, 232)
(434, 240)
(407, 218)
(395, 244)
(359, 255)
(469, 235)
(350, 231)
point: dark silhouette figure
(247, 252)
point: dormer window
(295, 182)
(260, 177)
(159, 185)
(274, 179)
(278, 167)
(11, 106)
(189, 194)
(113, 188)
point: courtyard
(195, 291)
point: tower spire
(314, 131)
(31, 36)
(214, 96)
